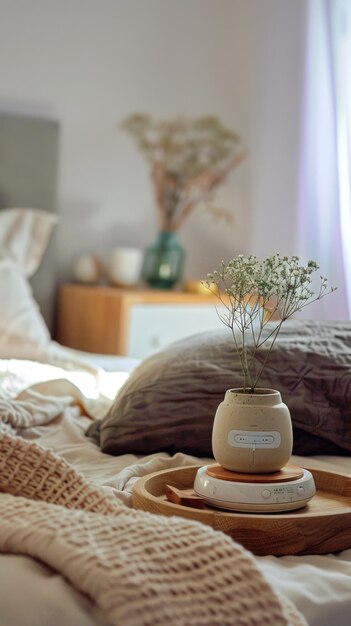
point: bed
(72, 548)
(318, 585)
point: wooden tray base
(323, 526)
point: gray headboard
(28, 177)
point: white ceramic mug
(125, 266)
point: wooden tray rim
(141, 484)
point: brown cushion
(170, 400)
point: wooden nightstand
(133, 322)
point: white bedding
(31, 594)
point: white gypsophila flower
(257, 291)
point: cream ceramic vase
(252, 432)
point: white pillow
(24, 235)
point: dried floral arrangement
(256, 291)
(188, 158)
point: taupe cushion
(169, 401)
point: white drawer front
(153, 326)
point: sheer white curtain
(325, 172)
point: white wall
(89, 63)
(278, 50)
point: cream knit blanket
(141, 569)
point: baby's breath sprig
(256, 291)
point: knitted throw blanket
(141, 569)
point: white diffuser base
(270, 497)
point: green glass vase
(163, 261)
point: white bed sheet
(320, 586)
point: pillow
(24, 235)
(169, 401)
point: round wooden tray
(324, 525)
